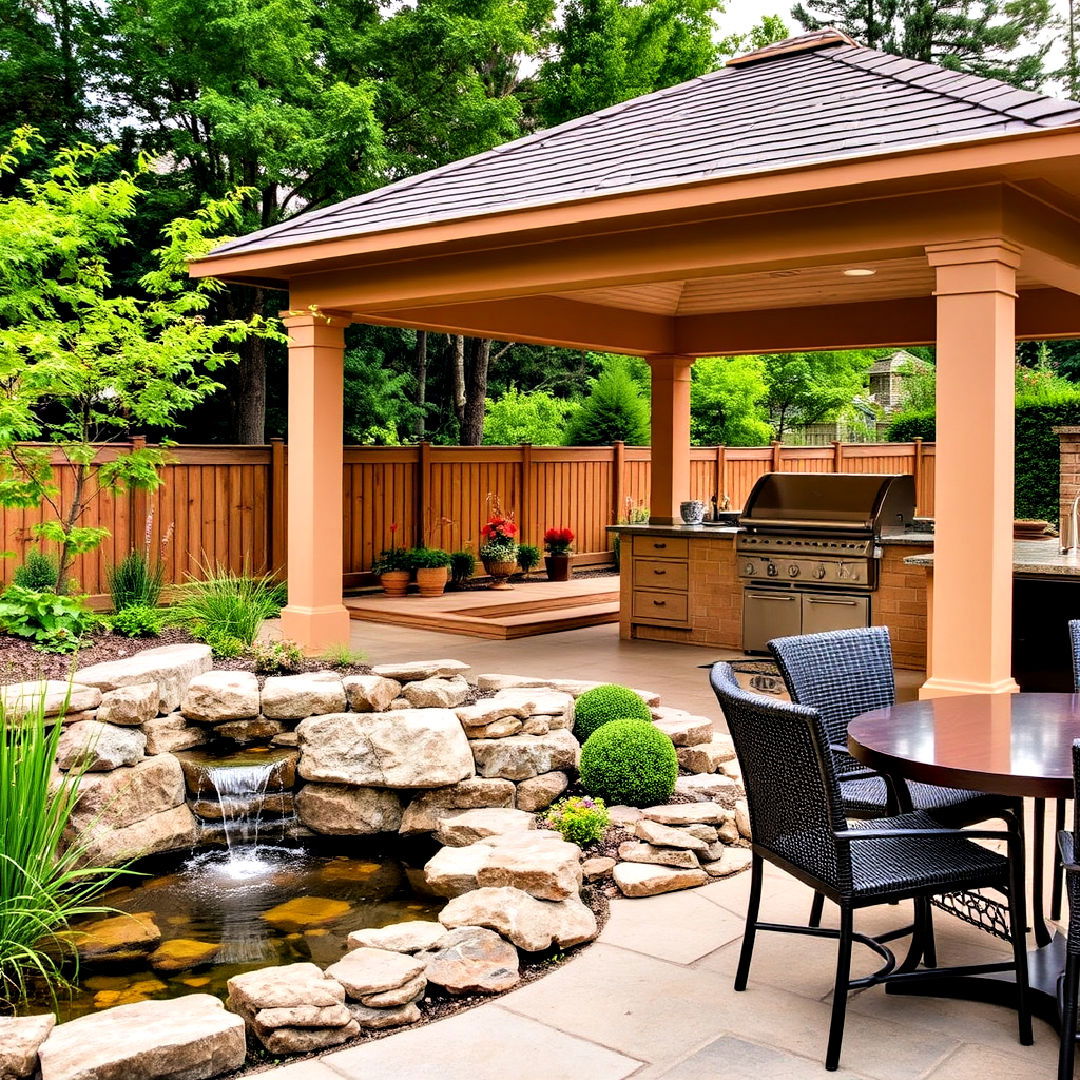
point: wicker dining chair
(797, 822)
(1069, 852)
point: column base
(934, 687)
(315, 629)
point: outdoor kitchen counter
(1042, 557)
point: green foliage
(534, 416)
(807, 388)
(226, 610)
(43, 882)
(614, 410)
(344, 656)
(580, 819)
(135, 581)
(391, 560)
(38, 572)
(630, 763)
(501, 549)
(138, 620)
(54, 623)
(275, 657)
(462, 566)
(727, 397)
(603, 704)
(428, 557)
(379, 402)
(528, 557)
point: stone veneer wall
(900, 603)
(1069, 450)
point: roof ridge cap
(812, 40)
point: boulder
(472, 960)
(597, 868)
(303, 1016)
(378, 1019)
(708, 833)
(687, 814)
(706, 757)
(169, 830)
(294, 697)
(406, 937)
(299, 1040)
(540, 725)
(366, 972)
(400, 995)
(521, 756)
(452, 871)
(531, 924)
(423, 813)
(420, 669)
(539, 792)
(683, 728)
(733, 861)
(256, 729)
(666, 836)
(125, 796)
(217, 696)
(171, 734)
(306, 912)
(341, 810)
(573, 687)
(284, 987)
(272, 804)
(742, 819)
(464, 827)
(99, 747)
(549, 869)
(642, 879)
(658, 856)
(704, 787)
(129, 706)
(414, 748)
(188, 1038)
(499, 729)
(436, 693)
(172, 667)
(488, 710)
(20, 1038)
(624, 816)
(370, 693)
(182, 954)
(54, 696)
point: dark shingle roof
(813, 99)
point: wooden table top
(1005, 744)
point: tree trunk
(459, 380)
(421, 381)
(476, 380)
(249, 395)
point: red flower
(558, 541)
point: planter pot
(432, 579)
(558, 567)
(499, 571)
(692, 511)
(395, 582)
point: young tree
(807, 388)
(83, 363)
(533, 417)
(726, 402)
(615, 410)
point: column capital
(673, 363)
(967, 267)
(315, 317)
(992, 249)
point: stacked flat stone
(383, 986)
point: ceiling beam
(1048, 236)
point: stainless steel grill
(809, 554)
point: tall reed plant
(45, 882)
(227, 607)
(135, 581)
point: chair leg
(929, 944)
(752, 906)
(1017, 924)
(1067, 1052)
(1038, 844)
(840, 989)
(817, 909)
(1059, 870)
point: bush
(528, 557)
(54, 623)
(615, 409)
(629, 762)
(38, 572)
(428, 558)
(526, 417)
(580, 819)
(462, 567)
(138, 621)
(135, 581)
(276, 657)
(228, 607)
(225, 646)
(604, 704)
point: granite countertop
(921, 539)
(1029, 557)
(675, 530)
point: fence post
(721, 474)
(618, 460)
(278, 509)
(918, 471)
(525, 521)
(776, 447)
(837, 456)
(140, 501)
(423, 490)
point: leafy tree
(726, 402)
(807, 388)
(615, 409)
(82, 363)
(377, 399)
(527, 417)
(1006, 41)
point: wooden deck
(532, 607)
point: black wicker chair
(797, 823)
(1069, 850)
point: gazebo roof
(811, 100)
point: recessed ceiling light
(859, 271)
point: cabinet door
(822, 612)
(767, 615)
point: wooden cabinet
(660, 580)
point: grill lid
(831, 500)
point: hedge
(1037, 455)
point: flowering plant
(558, 541)
(392, 558)
(498, 535)
(581, 819)
(498, 527)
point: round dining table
(1002, 744)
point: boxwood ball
(629, 762)
(605, 703)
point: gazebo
(813, 194)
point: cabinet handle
(769, 596)
(842, 603)
(659, 546)
(660, 603)
(659, 573)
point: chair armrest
(854, 774)
(889, 834)
(1067, 851)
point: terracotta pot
(432, 579)
(558, 567)
(395, 582)
(499, 571)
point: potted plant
(558, 544)
(393, 567)
(432, 569)
(528, 558)
(462, 567)
(499, 550)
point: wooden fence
(227, 504)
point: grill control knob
(793, 570)
(819, 571)
(749, 568)
(771, 570)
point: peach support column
(971, 629)
(670, 437)
(315, 616)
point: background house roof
(809, 100)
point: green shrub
(629, 762)
(230, 607)
(462, 567)
(225, 646)
(606, 703)
(135, 581)
(615, 409)
(139, 620)
(528, 557)
(276, 657)
(38, 572)
(428, 558)
(580, 819)
(54, 623)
